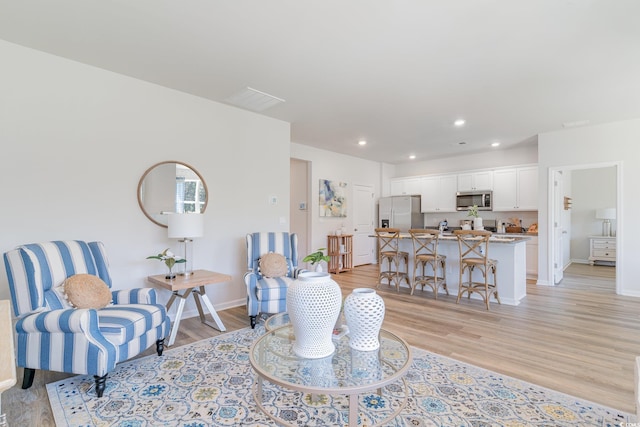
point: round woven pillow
(273, 265)
(87, 291)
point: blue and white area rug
(209, 383)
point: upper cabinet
(438, 193)
(405, 186)
(472, 181)
(515, 189)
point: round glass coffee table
(346, 372)
(276, 320)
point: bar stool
(389, 251)
(425, 253)
(474, 254)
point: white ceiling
(394, 72)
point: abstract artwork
(333, 199)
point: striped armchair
(269, 295)
(54, 336)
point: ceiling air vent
(254, 100)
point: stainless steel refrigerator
(401, 212)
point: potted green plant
(477, 221)
(316, 257)
(169, 260)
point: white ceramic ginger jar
(364, 312)
(313, 303)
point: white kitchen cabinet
(602, 248)
(474, 181)
(532, 258)
(405, 186)
(438, 193)
(515, 189)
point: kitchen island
(509, 251)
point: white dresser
(602, 248)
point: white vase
(364, 312)
(477, 223)
(313, 304)
(319, 267)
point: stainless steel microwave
(467, 199)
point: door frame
(551, 203)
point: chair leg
(160, 346)
(27, 380)
(101, 382)
(252, 319)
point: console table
(191, 284)
(602, 248)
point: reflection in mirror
(171, 187)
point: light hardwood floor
(578, 338)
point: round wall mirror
(171, 187)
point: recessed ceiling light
(362, 142)
(413, 156)
(459, 122)
(495, 144)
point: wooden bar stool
(474, 254)
(425, 253)
(389, 251)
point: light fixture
(185, 227)
(413, 156)
(362, 142)
(495, 144)
(606, 214)
(459, 122)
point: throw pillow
(87, 291)
(273, 265)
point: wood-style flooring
(578, 338)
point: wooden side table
(192, 284)
(7, 355)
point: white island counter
(509, 251)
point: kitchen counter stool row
(429, 267)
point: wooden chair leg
(27, 380)
(101, 383)
(160, 346)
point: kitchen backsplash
(453, 218)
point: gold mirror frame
(141, 186)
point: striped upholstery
(268, 295)
(80, 341)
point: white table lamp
(186, 227)
(606, 214)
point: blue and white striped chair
(269, 295)
(54, 337)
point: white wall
(76, 140)
(603, 145)
(337, 167)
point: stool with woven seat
(389, 252)
(474, 255)
(425, 253)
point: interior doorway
(573, 202)
(299, 179)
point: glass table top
(346, 370)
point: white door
(363, 218)
(558, 229)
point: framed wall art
(333, 198)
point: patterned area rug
(209, 383)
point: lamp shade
(187, 225)
(606, 213)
